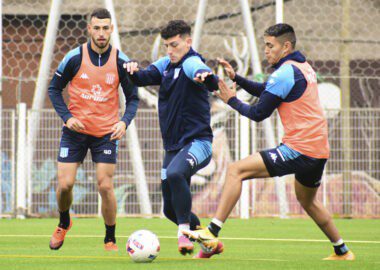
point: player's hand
(74, 124)
(201, 77)
(225, 93)
(118, 130)
(228, 68)
(131, 67)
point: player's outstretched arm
(258, 112)
(141, 77)
(131, 67)
(200, 77)
(254, 88)
(227, 68)
(208, 79)
(225, 93)
(199, 72)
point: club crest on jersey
(64, 152)
(110, 78)
(176, 73)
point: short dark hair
(282, 31)
(101, 13)
(175, 27)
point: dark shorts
(74, 146)
(190, 159)
(283, 160)
(186, 161)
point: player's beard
(100, 46)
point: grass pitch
(249, 244)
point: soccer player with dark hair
(184, 116)
(94, 72)
(292, 90)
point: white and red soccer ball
(143, 246)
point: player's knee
(306, 202)
(233, 171)
(105, 186)
(65, 184)
(65, 187)
(174, 176)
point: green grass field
(249, 244)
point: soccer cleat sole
(192, 235)
(350, 256)
(57, 247)
(111, 247)
(186, 250)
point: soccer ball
(143, 246)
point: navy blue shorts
(74, 146)
(283, 160)
(188, 160)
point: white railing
(359, 193)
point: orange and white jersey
(94, 98)
(304, 123)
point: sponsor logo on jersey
(96, 90)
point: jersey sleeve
(64, 73)
(194, 65)
(281, 82)
(161, 64)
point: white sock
(338, 243)
(217, 222)
(185, 226)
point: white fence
(350, 187)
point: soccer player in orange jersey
(292, 90)
(94, 72)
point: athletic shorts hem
(69, 161)
(268, 165)
(105, 161)
(309, 185)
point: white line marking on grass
(19, 256)
(173, 237)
